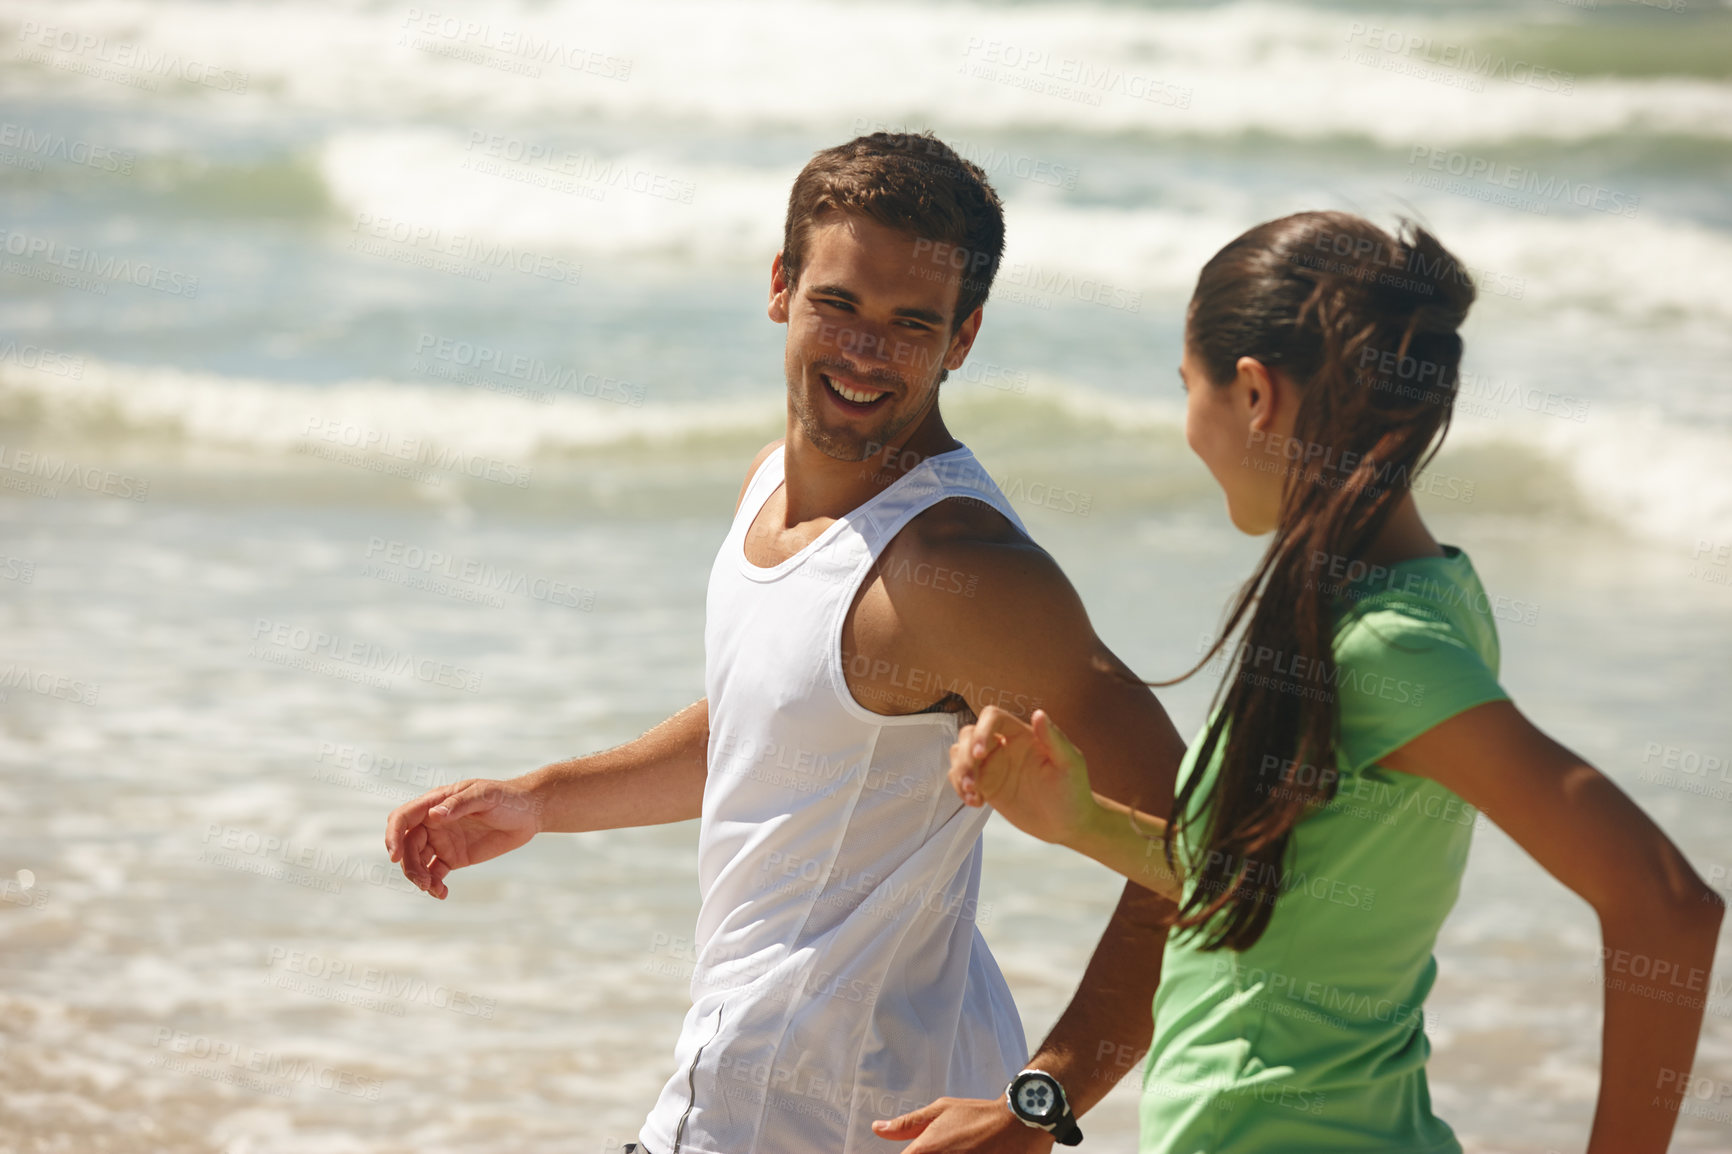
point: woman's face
(1240, 430)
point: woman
(1324, 813)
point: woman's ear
(1259, 393)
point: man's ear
(780, 291)
(962, 340)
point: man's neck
(819, 486)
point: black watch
(1038, 1100)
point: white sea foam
(1658, 477)
(1641, 269)
(208, 409)
(1089, 69)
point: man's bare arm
(1107, 1026)
(1022, 640)
(1134, 753)
(656, 779)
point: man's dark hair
(908, 181)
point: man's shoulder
(752, 470)
(965, 544)
(961, 528)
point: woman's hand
(1033, 775)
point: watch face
(1035, 1098)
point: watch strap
(1064, 1129)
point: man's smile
(853, 397)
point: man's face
(869, 333)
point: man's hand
(459, 825)
(965, 1126)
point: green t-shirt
(1314, 1038)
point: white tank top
(840, 976)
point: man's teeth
(858, 398)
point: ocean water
(442, 332)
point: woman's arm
(1039, 781)
(1657, 917)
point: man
(854, 619)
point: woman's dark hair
(1364, 324)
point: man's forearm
(1107, 1026)
(656, 779)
